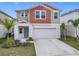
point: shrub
(4, 45)
(23, 44)
(17, 43)
(2, 40)
(30, 39)
(10, 41)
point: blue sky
(10, 7)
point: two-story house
(40, 22)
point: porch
(22, 31)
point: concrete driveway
(53, 47)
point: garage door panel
(44, 33)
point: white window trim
(24, 14)
(40, 14)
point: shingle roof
(21, 10)
(7, 15)
(75, 10)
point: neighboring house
(40, 22)
(71, 15)
(3, 30)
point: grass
(72, 42)
(18, 51)
(28, 50)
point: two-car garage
(46, 31)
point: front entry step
(23, 40)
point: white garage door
(45, 33)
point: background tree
(63, 31)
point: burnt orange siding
(32, 15)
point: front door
(21, 33)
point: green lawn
(18, 51)
(72, 42)
(28, 50)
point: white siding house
(71, 15)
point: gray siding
(56, 21)
(20, 17)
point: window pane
(55, 15)
(25, 14)
(37, 14)
(42, 14)
(22, 14)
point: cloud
(16, 3)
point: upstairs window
(37, 14)
(55, 15)
(40, 14)
(43, 14)
(24, 14)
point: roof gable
(46, 5)
(49, 6)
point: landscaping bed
(26, 49)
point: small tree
(8, 25)
(63, 31)
(75, 24)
